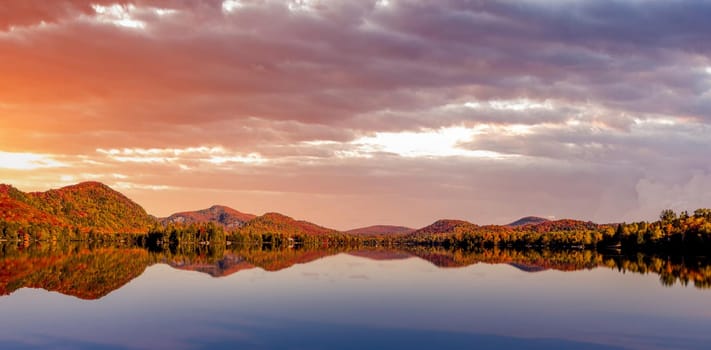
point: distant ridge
(280, 223)
(528, 220)
(94, 207)
(380, 230)
(445, 226)
(225, 216)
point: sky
(352, 113)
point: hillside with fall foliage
(275, 223)
(444, 227)
(93, 211)
(77, 210)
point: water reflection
(92, 271)
(415, 298)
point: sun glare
(118, 15)
(444, 142)
(231, 5)
(27, 161)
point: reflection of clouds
(359, 277)
(311, 275)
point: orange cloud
(356, 110)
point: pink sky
(351, 113)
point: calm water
(338, 301)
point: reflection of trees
(566, 260)
(671, 269)
(72, 270)
(91, 271)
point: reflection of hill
(527, 267)
(671, 270)
(220, 262)
(85, 274)
(275, 260)
(269, 259)
(93, 273)
(532, 259)
(381, 254)
(226, 266)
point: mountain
(95, 207)
(17, 207)
(380, 230)
(528, 220)
(445, 227)
(282, 224)
(87, 206)
(225, 216)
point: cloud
(404, 98)
(180, 156)
(17, 13)
(653, 196)
(27, 161)
(340, 61)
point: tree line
(682, 232)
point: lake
(130, 298)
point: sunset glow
(27, 161)
(485, 111)
(183, 174)
(444, 142)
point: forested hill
(77, 209)
(380, 230)
(219, 214)
(80, 211)
(275, 223)
(528, 220)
